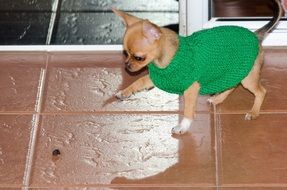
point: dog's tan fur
(145, 42)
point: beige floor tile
(254, 152)
(14, 143)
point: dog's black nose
(128, 66)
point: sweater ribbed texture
(218, 58)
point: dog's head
(141, 41)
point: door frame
(196, 15)
(192, 19)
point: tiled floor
(65, 102)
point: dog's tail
(261, 32)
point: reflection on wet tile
(139, 5)
(26, 5)
(91, 85)
(121, 149)
(23, 28)
(273, 73)
(19, 81)
(100, 28)
(195, 158)
(14, 139)
(254, 152)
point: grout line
(31, 150)
(35, 127)
(112, 113)
(96, 113)
(218, 149)
(18, 113)
(256, 185)
(120, 113)
(139, 186)
(41, 88)
(164, 185)
(244, 112)
(134, 112)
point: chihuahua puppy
(146, 43)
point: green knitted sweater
(218, 58)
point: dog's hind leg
(253, 84)
(219, 98)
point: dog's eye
(138, 58)
(125, 53)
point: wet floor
(62, 128)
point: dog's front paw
(122, 95)
(251, 116)
(179, 130)
(210, 101)
(182, 128)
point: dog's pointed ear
(127, 18)
(151, 31)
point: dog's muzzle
(128, 66)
